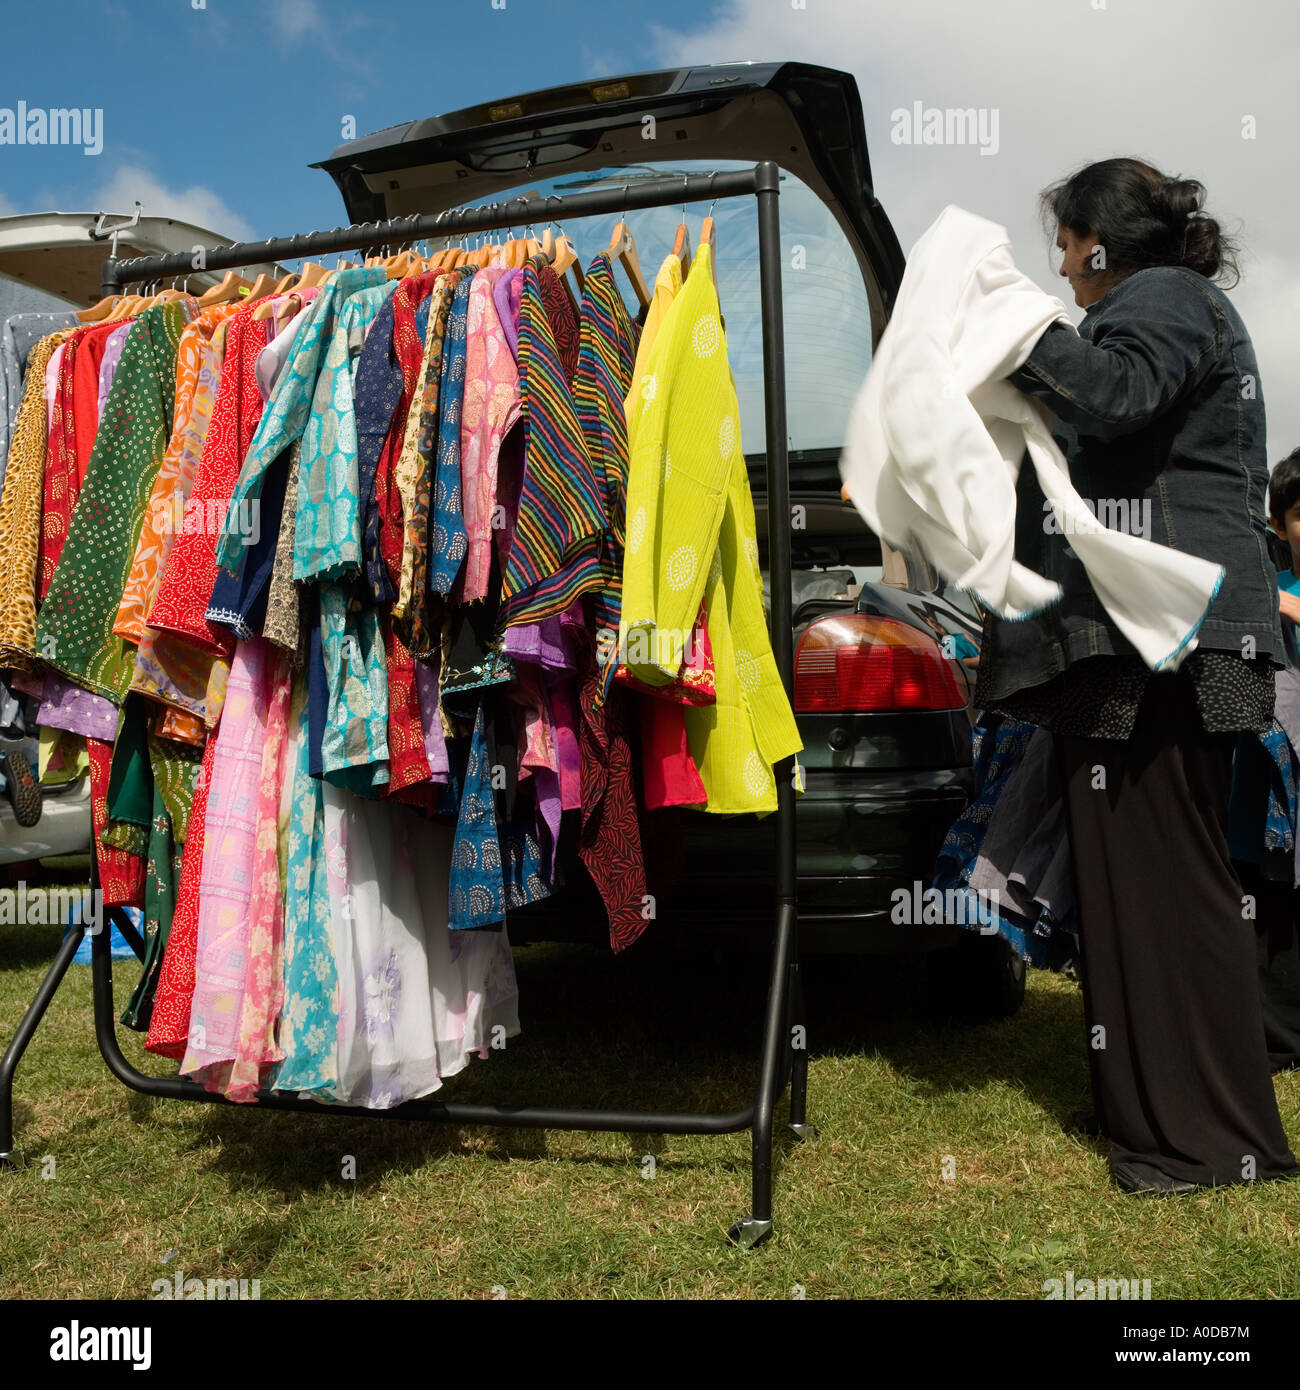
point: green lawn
(142, 1187)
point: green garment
(173, 770)
(162, 874)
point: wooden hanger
(682, 248)
(127, 307)
(99, 313)
(565, 259)
(227, 292)
(262, 286)
(312, 274)
(623, 249)
(709, 238)
(269, 306)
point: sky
(213, 109)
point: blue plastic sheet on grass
(117, 942)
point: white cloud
(294, 19)
(6, 207)
(195, 204)
(1171, 80)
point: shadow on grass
(663, 1031)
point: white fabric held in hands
(937, 434)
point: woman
(1162, 420)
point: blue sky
(221, 109)
(214, 114)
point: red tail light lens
(853, 662)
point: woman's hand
(1289, 604)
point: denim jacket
(1161, 417)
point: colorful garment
(290, 406)
(113, 346)
(228, 881)
(354, 747)
(198, 374)
(121, 874)
(382, 433)
(691, 536)
(669, 774)
(74, 631)
(556, 547)
(170, 1021)
(492, 405)
(447, 541)
(182, 601)
(19, 334)
(309, 1020)
(20, 512)
(256, 1050)
(413, 475)
(282, 624)
(327, 532)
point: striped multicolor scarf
(556, 551)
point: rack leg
(753, 1230)
(9, 1157)
(799, 1125)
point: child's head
(1284, 501)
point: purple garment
(552, 646)
(568, 750)
(108, 363)
(435, 745)
(68, 706)
(506, 295)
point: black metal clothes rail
(782, 1053)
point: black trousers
(1180, 1071)
(1277, 947)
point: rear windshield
(827, 318)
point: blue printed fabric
(309, 1019)
(477, 887)
(239, 603)
(378, 391)
(327, 531)
(448, 543)
(999, 746)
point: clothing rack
(782, 1054)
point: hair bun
(1186, 197)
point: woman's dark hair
(1284, 486)
(1141, 218)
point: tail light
(853, 662)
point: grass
(143, 1187)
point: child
(1277, 901)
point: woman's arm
(1156, 335)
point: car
(881, 690)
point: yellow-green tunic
(691, 535)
